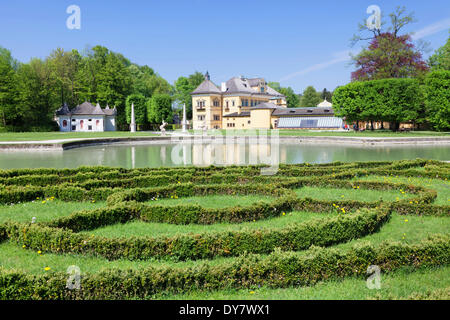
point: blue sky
(298, 42)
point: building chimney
(223, 87)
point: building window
(248, 121)
(216, 103)
(64, 123)
(227, 104)
(90, 120)
(73, 120)
(233, 103)
(201, 104)
(262, 89)
(74, 128)
(81, 124)
(201, 118)
(89, 127)
(97, 122)
(216, 118)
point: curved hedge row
(320, 232)
(279, 269)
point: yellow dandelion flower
(252, 292)
(406, 220)
(284, 213)
(47, 268)
(39, 252)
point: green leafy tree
(310, 98)
(159, 108)
(39, 96)
(140, 109)
(437, 99)
(389, 54)
(440, 60)
(64, 67)
(114, 85)
(326, 95)
(184, 87)
(8, 90)
(292, 99)
(391, 100)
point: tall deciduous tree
(159, 108)
(292, 99)
(8, 89)
(326, 95)
(183, 88)
(39, 96)
(389, 56)
(114, 85)
(140, 108)
(440, 60)
(310, 98)
(437, 94)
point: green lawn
(50, 210)
(214, 201)
(351, 194)
(441, 186)
(40, 136)
(402, 284)
(151, 229)
(351, 133)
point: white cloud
(431, 29)
(342, 56)
(337, 57)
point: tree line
(31, 92)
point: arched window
(81, 124)
(64, 123)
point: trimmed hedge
(322, 232)
(278, 270)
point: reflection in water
(183, 154)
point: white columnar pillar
(133, 120)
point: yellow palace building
(242, 103)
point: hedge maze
(296, 254)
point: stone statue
(163, 128)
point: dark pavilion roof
(86, 108)
(236, 114)
(314, 111)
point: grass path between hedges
(51, 209)
(151, 229)
(351, 194)
(405, 283)
(441, 186)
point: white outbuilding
(85, 117)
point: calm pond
(166, 155)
